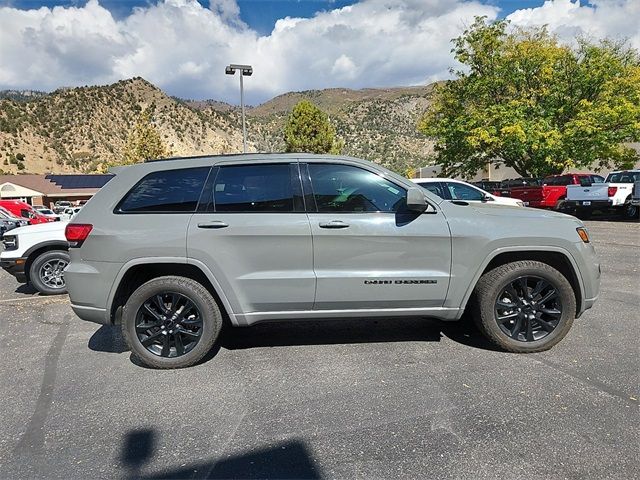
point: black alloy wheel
(528, 308)
(169, 324)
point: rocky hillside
(78, 129)
(376, 124)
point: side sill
(442, 313)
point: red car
(553, 189)
(24, 210)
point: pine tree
(308, 130)
(144, 142)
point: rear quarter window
(166, 191)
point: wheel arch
(556, 257)
(137, 272)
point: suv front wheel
(171, 322)
(524, 306)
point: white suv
(37, 254)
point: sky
(182, 46)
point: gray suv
(173, 249)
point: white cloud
(568, 19)
(183, 47)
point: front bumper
(15, 267)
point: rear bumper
(91, 314)
(15, 267)
(591, 204)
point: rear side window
(434, 187)
(167, 191)
(254, 188)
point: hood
(40, 228)
(514, 211)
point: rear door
(254, 235)
(369, 251)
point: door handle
(334, 224)
(213, 224)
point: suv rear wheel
(524, 306)
(46, 272)
(171, 322)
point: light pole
(245, 70)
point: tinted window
(434, 187)
(623, 177)
(343, 188)
(460, 191)
(254, 188)
(166, 191)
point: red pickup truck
(553, 189)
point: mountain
(78, 129)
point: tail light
(611, 191)
(77, 233)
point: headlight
(10, 242)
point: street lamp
(245, 70)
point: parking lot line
(35, 297)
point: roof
(58, 185)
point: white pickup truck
(615, 193)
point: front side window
(348, 189)
(460, 191)
(254, 188)
(166, 191)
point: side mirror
(416, 202)
(487, 198)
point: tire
(172, 290)
(489, 302)
(631, 212)
(45, 272)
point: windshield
(46, 211)
(623, 177)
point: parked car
(69, 213)
(553, 189)
(169, 248)
(635, 200)
(507, 185)
(492, 187)
(37, 255)
(61, 205)
(8, 221)
(6, 225)
(615, 194)
(24, 210)
(449, 189)
(47, 212)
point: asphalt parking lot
(339, 399)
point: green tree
(528, 102)
(308, 130)
(144, 142)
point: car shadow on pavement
(26, 289)
(289, 459)
(341, 331)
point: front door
(255, 237)
(369, 251)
